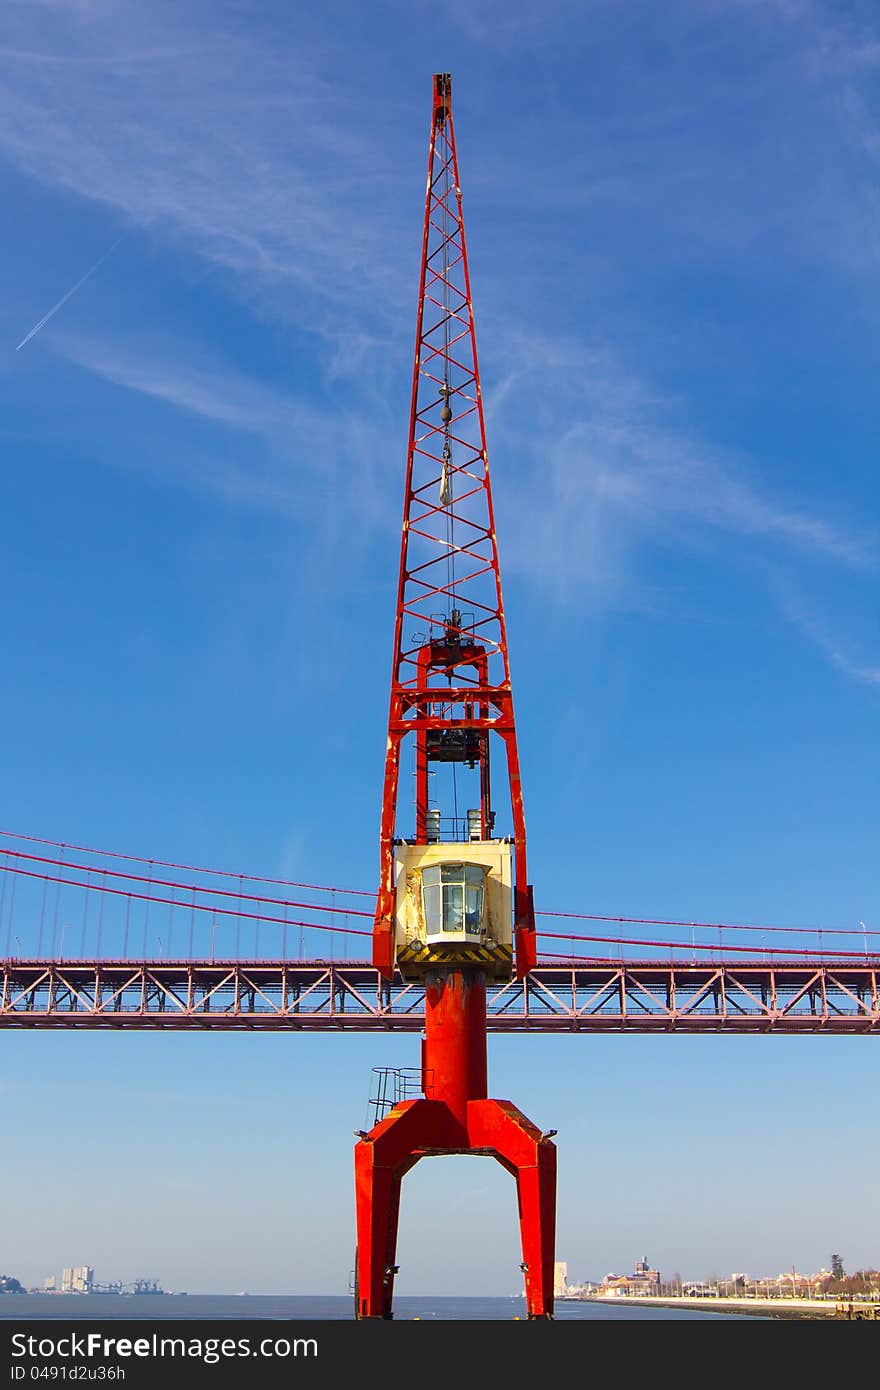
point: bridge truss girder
(632, 996)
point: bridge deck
(600, 996)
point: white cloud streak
(65, 297)
(840, 649)
(266, 448)
(602, 495)
(593, 497)
(603, 444)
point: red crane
(454, 905)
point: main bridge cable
(173, 864)
(700, 926)
(147, 898)
(63, 862)
(711, 948)
(184, 887)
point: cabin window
(453, 896)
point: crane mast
(450, 681)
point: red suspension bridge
(101, 939)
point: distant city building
(644, 1280)
(646, 1274)
(565, 1288)
(789, 1284)
(79, 1279)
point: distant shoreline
(98, 1293)
(750, 1307)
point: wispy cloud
(615, 446)
(609, 475)
(208, 388)
(837, 645)
(202, 131)
(594, 480)
(257, 155)
(251, 155)
(506, 27)
(313, 462)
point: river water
(318, 1306)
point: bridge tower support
(454, 908)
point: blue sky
(672, 216)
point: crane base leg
(417, 1128)
(497, 1127)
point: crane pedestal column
(454, 1117)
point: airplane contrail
(61, 303)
